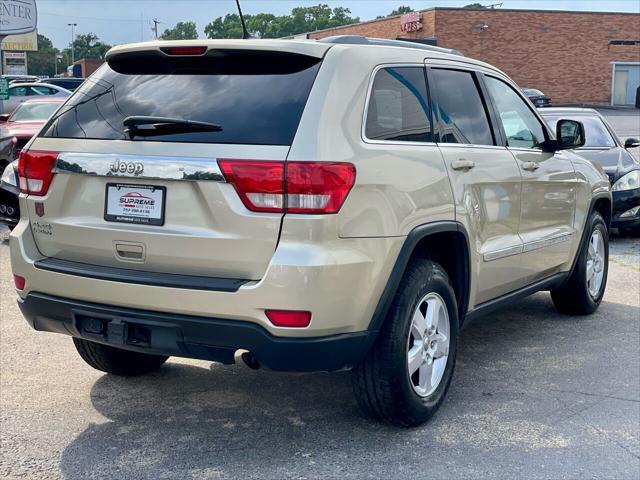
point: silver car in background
(19, 92)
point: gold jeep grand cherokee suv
(307, 205)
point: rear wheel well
(450, 250)
(603, 206)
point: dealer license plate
(142, 204)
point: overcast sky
(123, 21)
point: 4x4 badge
(132, 168)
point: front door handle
(463, 164)
(530, 166)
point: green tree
(42, 61)
(228, 26)
(87, 45)
(398, 11)
(266, 25)
(474, 5)
(182, 31)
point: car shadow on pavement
(190, 421)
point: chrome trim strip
(139, 166)
(504, 252)
(547, 242)
(527, 247)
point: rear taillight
(318, 187)
(260, 184)
(35, 170)
(291, 187)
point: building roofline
(484, 10)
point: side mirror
(631, 143)
(4, 117)
(569, 134)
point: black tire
(116, 360)
(381, 382)
(573, 297)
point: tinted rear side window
(398, 107)
(462, 113)
(257, 97)
(68, 84)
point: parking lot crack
(600, 395)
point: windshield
(596, 133)
(257, 97)
(532, 91)
(34, 111)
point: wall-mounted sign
(15, 63)
(18, 16)
(411, 22)
(27, 42)
(21, 55)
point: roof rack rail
(360, 40)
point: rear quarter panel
(397, 186)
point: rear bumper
(338, 280)
(192, 337)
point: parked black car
(603, 146)
(7, 148)
(538, 98)
(9, 191)
(70, 83)
(8, 194)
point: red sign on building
(410, 22)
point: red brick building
(574, 57)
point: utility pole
(155, 27)
(73, 38)
(57, 58)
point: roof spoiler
(360, 40)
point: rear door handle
(530, 166)
(463, 164)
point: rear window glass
(399, 106)
(68, 84)
(34, 111)
(256, 97)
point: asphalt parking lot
(535, 395)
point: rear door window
(40, 91)
(398, 108)
(257, 97)
(18, 92)
(462, 113)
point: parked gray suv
(307, 205)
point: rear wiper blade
(142, 125)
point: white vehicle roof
(404, 51)
(40, 84)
